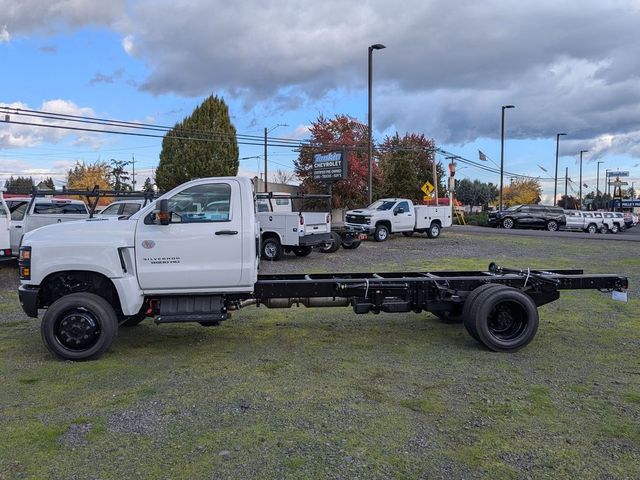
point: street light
(266, 131)
(555, 185)
(580, 194)
(598, 179)
(502, 149)
(377, 46)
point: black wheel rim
(507, 321)
(77, 329)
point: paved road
(630, 235)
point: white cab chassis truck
(283, 230)
(399, 215)
(193, 256)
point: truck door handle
(18, 226)
(227, 232)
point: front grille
(359, 219)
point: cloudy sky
(448, 67)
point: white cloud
(23, 136)
(5, 37)
(128, 45)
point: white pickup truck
(284, 230)
(193, 256)
(583, 221)
(29, 213)
(399, 215)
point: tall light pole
(606, 181)
(555, 185)
(266, 131)
(580, 194)
(377, 46)
(504, 107)
(598, 179)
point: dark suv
(529, 216)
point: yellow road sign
(427, 188)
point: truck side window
(202, 203)
(404, 206)
(18, 209)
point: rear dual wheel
(502, 318)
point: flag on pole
(482, 156)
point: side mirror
(163, 214)
(398, 210)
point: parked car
(582, 221)
(123, 208)
(27, 214)
(529, 216)
(614, 222)
(630, 219)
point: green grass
(323, 393)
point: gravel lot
(323, 393)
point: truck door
(200, 248)
(18, 210)
(403, 217)
(5, 217)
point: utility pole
(566, 184)
(502, 151)
(555, 184)
(580, 194)
(133, 175)
(266, 189)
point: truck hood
(362, 211)
(92, 232)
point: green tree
(48, 182)
(406, 164)
(119, 176)
(475, 192)
(329, 135)
(19, 185)
(202, 145)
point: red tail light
(301, 220)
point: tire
(508, 223)
(132, 320)
(552, 226)
(302, 251)
(407, 234)
(604, 228)
(382, 233)
(505, 319)
(467, 309)
(79, 326)
(592, 228)
(271, 249)
(351, 246)
(434, 230)
(614, 228)
(332, 245)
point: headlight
(24, 263)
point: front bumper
(28, 295)
(494, 221)
(314, 240)
(358, 227)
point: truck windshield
(382, 205)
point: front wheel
(592, 228)
(382, 233)
(434, 231)
(507, 223)
(79, 326)
(614, 228)
(552, 225)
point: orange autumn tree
(85, 176)
(522, 191)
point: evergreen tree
(48, 182)
(202, 145)
(19, 185)
(120, 176)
